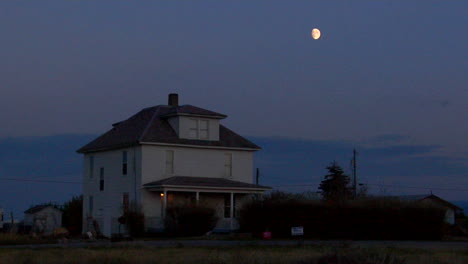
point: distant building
(166, 155)
(43, 218)
(450, 209)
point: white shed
(43, 218)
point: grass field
(257, 255)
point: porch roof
(204, 183)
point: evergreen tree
(72, 217)
(335, 187)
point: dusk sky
(384, 73)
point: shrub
(134, 220)
(189, 220)
(372, 219)
(72, 218)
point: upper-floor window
(91, 166)
(101, 179)
(169, 161)
(198, 128)
(124, 163)
(204, 129)
(228, 165)
(193, 128)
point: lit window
(169, 161)
(204, 129)
(91, 166)
(124, 163)
(101, 179)
(228, 164)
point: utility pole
(354, 174)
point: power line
(35, 180)
(415, 187)
(381, 185)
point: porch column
(197, 197)
(231, 213)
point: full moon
(315, 33)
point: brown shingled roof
(150, 126)
(184, 181)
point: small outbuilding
(450, 209)
(43, 218)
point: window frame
(91, 166)
(206, 130)
(228, 157)
(194, 129)
(169, 164)
(101, 179)
(124, 162)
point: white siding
(115, 183)
(51, 216)
(196, 162)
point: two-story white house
(164, 155)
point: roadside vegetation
(258, 255)
(21, 239)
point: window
(228, 164)
(91, 166)
(198, 129)
(204, 129)
(124, 163)
(169, 161)
(90, 205)
(227, 205)
(101, 179)
(125, 201)
(193, 128)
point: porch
(225, 196)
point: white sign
(297, 231)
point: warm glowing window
(169, 161)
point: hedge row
(360, 220)
(189, 221)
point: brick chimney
(173, 99)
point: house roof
(184, 181)
(193, 111)
(150, 125)
(420, 197)
(38, 208)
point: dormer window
(199, 129)
(204, 129)
(193, 133)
